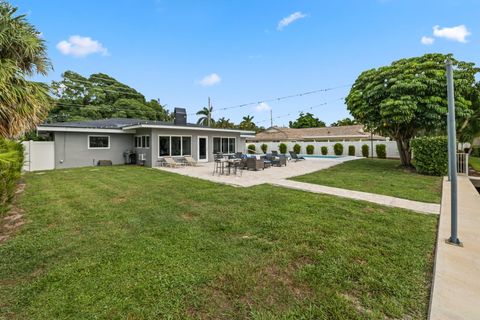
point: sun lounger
(170, 162)
(295, 156)
(189, 161)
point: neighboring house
(326, 134)
(85, 143)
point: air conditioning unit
(141, 157)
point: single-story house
(325, 134)
(84, 143)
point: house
(84, 143)
(326, 134)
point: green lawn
(136, 243)
(380, 176)
(475, 163)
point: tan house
(344, 133)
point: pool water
(319, 156)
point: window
(98, 142)
(142, 142)
(187, 146)
(224, 145)
(174, 146)
(164, 146)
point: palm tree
(23, 103)
(247, 123)
(205, 113)
(224, 123)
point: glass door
(202, 149)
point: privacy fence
(390, 147)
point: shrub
(430, 155)
(297, 148)
(282, 147)
(251, 148)
(475, 152)
(365, 150)
(324, 150)
(11, 162)
(381, 150)
(338, 149)
(310, 148)
(264, 148)
(351, 150)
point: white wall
(39, 155)
(391, 147)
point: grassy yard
(379, 176)
(131, 242)
(475, 163)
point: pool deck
(456, 279)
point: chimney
(180, 116)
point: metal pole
(452, 150)
(371, 142)
(209, 112)
(271, 118)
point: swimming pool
(319, 156)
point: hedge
(264, 148)
(365, 150)
(430, 155)
(324, 150)
(381, 150)
(351, 150)
(251, 148)
(297, 148)
(11, 162)
(338, 149)
(282, 147)
(310, 148)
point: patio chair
(295, 156)
(189, 161)
(255, 164)
(274, 152)
(170, 162)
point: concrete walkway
(278, 176)
(456, 280)
(422, 207)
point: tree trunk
(403, 145)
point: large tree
(409, 97)
(306, 120)
(344, 122)
(205, 117)
(23, 103)
(100, 96)
(224, 123)
(247, 124)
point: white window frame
(228, 144)
(140, 146)
(170, 144)
(97, 148)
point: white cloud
(290, 19)
(458, 33)
(79, 46)
(210, 80)
(427, 40)
(262, 106)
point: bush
(264, 148)
(365, 150)
(430, 155)
(324, 150)
(351, 150)
(475, 152)
(297, 148)
(282, 147)
(310, 148)
(11, 162)
(251, 148)
(338, 149)
(381, 150)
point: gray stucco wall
(71, 149)
(145, 151)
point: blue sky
(246, 51)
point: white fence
(391, 147)
(39, 155)
(462, 163)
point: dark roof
(111, 123)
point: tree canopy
(23, 103)
(306, 120)
(101, 96)
(344, 122)
(409, 97)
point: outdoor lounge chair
(189, 161)
(170, 162)
(295, 156)
(255, 164)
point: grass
(134, 243)
(475, 163)
(380, 176)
